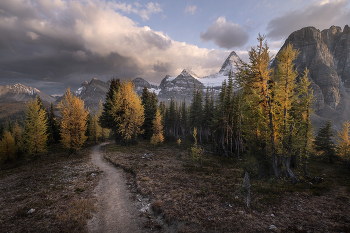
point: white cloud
(191, 9)
(32, 35)
(142, 10)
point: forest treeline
(261, 114)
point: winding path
(116, 213)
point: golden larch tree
(127, 111)
(157, 128)
(73, 124)
(343, 141)
(7, 147)
(35, 129)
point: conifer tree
(35, 129)
(302, 112)
(74, 121)
(107, 119)
(104, 131)
(18, 136)
(208, 112)
(324, 143)
(282, 112)
(149, 102)
(2, 130)
(53, 126)
(157, 137)
(95, 128)
(127, 112)
(9, 126)
(196, 112)
(343, 140)
(220, 119)
(7, 147)
(183, 122)
(172, 117)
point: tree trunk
(290, 173)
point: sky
(53, 44)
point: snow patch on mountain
(20, 88)
(80, 89)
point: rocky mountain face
(326, 54)
(20, 93)
(13, 98)
(140, 83)
(93, 92)
(179, 87)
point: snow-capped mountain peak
(229, 64)
(187, 73)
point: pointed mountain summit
(187, 73)
(229, 64)
(215, 80)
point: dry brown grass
(211, 199)
(49, 185)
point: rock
(272, 227)
(326, 54)
(317, 180)
(31, 211)
(180, 86)
(272, 215)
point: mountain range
(325, 53)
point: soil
(212, 199)
(116, 212)
(53, 193)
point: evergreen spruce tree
(220, 120)
(183, 122)
(324, 143)
(196, 112)
(107, 119)
(2, 130)
(149, 102)
(172, 117)
(18, 136)
(53, 126)
(35, 129)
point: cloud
(320, 15)
(142, 10)
(68, 42)
(225, 34)
(190, 9)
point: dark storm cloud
(318, 15)
(48, 59)
(225, 34)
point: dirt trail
(116, 212)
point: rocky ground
(212, 199)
